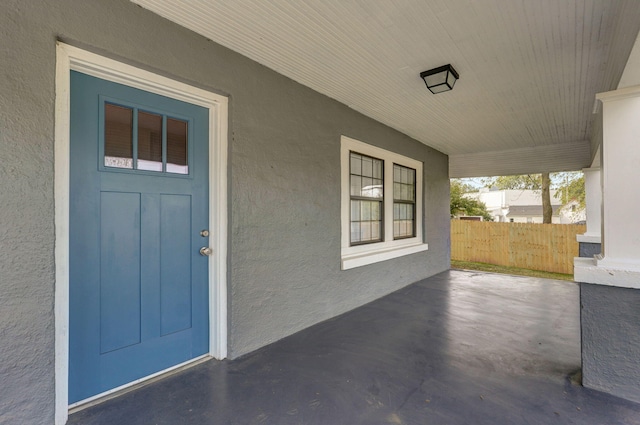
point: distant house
(525, 206)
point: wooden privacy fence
(546, 247)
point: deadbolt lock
(204, 233)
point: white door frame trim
(70, 58)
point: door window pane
(158, 143)
(149, 141)
(177, 147)
(118, 136)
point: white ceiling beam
(527, 160)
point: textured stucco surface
(610, 321)
(284, 257)
(26, 220)
(587, 249)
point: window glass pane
(377, 169)
(365, 231)
(177, 146)
(149, 141)
(366, 184)
(362, 180)
(356, 185)
(355, 232)
(355, 210)
(367, 166)
(118, 139)
(366, 211)
(366, 221)
(375, 232)
(404, 185)
(375, 190)
(375, 211)
(356, 164)
(367, 187)
(404, 188)
(403, 220)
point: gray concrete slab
(458, 348)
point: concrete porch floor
(457, 348)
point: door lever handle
(206, 251)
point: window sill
(374, 256)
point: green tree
(462, 205)
(570, 187)
(518, 182)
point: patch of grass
(466, 265)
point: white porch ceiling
(529, 69)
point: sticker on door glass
(118, 136)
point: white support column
(619, 264)
(593, 200)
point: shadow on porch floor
(457, 348)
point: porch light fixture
(440, 79)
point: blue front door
(138, 206)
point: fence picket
(546, 247)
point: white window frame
(361, 255)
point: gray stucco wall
(610, 321)
(284, 263)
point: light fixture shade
(440, 79)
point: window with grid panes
(367, 197)
(381, 204)
(404, 202)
